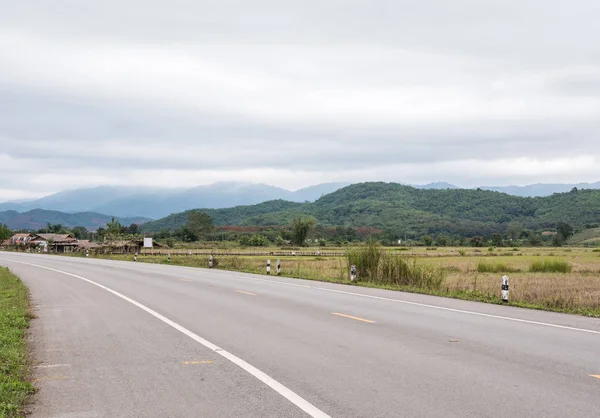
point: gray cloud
(292, 93)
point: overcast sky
(293, 93)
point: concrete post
(269, 266)
(352, 273)
(505, 289)
(278, 267)
(210, 262)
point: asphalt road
(117, 339)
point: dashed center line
(198, 362)
(353, 317)
(597, 376)
(186, 280)
(246, 293)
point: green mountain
(405, 209)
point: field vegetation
(14, 364)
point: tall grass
(366, 259)
(550, 266)
(375, 266)
(483, 267)
(402, 271)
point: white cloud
(295, 93)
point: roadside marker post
(269, 266)
(169, 258)
(278, 267)
(87, 253)
(210, 262)
(505, 289)
(352, 273)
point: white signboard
(148, 243)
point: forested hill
(405, 209)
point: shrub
(256, 240)
(550, 266)
(597, 250)
(462, 253)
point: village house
(20, 239)
(131, 246)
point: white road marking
(291, 396)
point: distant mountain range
(39, 218)
(159, 202)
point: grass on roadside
(14, 366)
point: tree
(427, 240)
(558, 240)
(184, 234)
(114, 228)
(199, 223)
(301, 226)
(5, 232)
(564, 229)
(80, 232)
(442, 240)
(535, 240)
(497, 240)
(133, 229)
(514, 230)
(477, 241)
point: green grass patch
(483, 267)
(14, 365)
(379, 267)
(550, 266)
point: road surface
(118, 339)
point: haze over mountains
(159, 202)
(39, 218)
